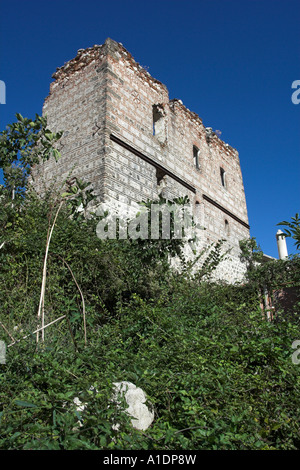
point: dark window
(159, 123)
(222, 173)
(160, 174)
(196, 157)
(226, 228)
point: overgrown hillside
(217, 373)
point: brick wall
(122, 133)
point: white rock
(135, 398)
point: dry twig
(5, 329)
(38, 330)
(41, 311)
(81, 294)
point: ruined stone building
(124, 135)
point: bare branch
(36, 331)
(41, 304)
(5, 329)
(81, 294)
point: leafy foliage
(216, 373)
(279, 279)
(23, 144)
(293, 229)
(251, 253)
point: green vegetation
(218, 375)
(293, 229)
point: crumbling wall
(76, 105)
(124, 134)
(141, 114)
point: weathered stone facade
(124, 135)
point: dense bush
(218, 375)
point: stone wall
(77, 105)
(123, 134)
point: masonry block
(104, 92)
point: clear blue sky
(230, 61)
